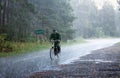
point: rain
(87, 40)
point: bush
(5, 46)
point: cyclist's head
(54, 31)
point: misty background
(72, 18)
(96, 18)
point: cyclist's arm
(51, 37)
(59, 37)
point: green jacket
(55, 36)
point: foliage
(93, 22)
(4, 45)
(54, 14)
(21, 17)
(24, 47)
(15, 19)
(27, 47)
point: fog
(96, 18)
(71, 18)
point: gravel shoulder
(102, 63)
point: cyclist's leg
(55, 48)
(58, 46)
(59, 49)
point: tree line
(19, 18)
(94, 22)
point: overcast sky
(100, 3)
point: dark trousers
(57, 47)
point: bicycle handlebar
(54, 40)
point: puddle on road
(51, 68)
(98, 61)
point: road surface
(24, 65)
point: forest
(19, 19)
(96, 22)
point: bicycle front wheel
(52, 55)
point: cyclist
(57, 38)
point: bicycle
(54, 51)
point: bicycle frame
(53, 50)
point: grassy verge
(72, 42)
(22, 48)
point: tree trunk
(0, 16)
(4, 14)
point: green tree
(107, 22)
(16, 18)
(54, 14)
(19, 18)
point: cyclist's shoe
(56, 53)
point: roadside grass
(22, 48)
(27, 47)
(72, 42)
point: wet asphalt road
(22, 66)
